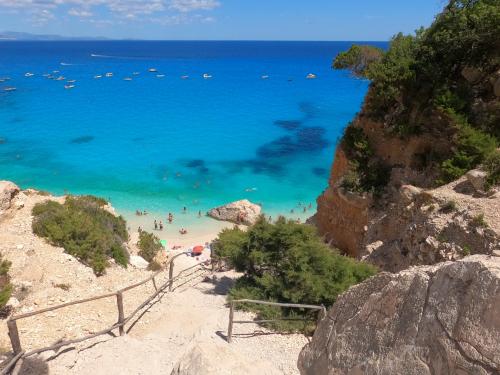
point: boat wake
(117, 57)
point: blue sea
(159, 142)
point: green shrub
(149, 246)
(5, 285)
(84, 229)
(65, 287)
(492, 166)
(448, 206)
(358, 58)
(286, 262)
(466, 251)
(364, 174)
(479, 221)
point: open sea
(160, 142)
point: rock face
(8, 191)
(442, 319)
(239, 212)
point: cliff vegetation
(286, 262)
(85, 229)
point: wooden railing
(19, 354)
(232, 304)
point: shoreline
(200, 230)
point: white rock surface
(442, 319)
(239, 212)
(478, 179)
(8, 191)
(138, 262)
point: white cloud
(168, 12)
(193, 5)
(80, 13)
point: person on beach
(310, 205)
(184, 210)
(170, 218)
(270, 219)
(156, 225)
(161, 225)
(183, 231)
(199, 213)
(139, 229)
(305, 209)
(292, 211)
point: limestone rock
(441, 319)
(410, 192)
(239, 212)
(477, 178)
(8, 191)
(138, 262)
(208, 358)
(472, 75)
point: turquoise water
(164, 143)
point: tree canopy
(287, 262)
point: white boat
(46, 75)
(9, 89)
(109, 74)
(67, 87)
(265, 77)
(60, 78)
(207, 76)
(160, 75)
(311, 76)
(29, 74)
(97, 76)
(127, 79)
(136, 73)
(55, 71)
(184, 77)
(71, 81)
(152, 70)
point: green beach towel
(163, 243)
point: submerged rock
(239, 212)
(442, 319)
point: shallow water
(164, 143)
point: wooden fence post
(171, 276)
(230, 326)
(121, 315)
(14, 336)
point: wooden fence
(19, 353)
(321, 313)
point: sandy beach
(200, 229)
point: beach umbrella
(163, 243)
(197, 250)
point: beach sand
(200, 229)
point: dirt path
(194, 316)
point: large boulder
(477, 178)
(239, 212)
(441, 319)
(8, 191)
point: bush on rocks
(84, 229)
(5, 286)
(286, 262)
(149, 246)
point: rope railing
(321, 313)
(19, 353)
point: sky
(368, 20)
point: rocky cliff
(440, 319)
(396, 195)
